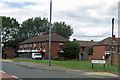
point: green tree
(9, 28)
(90, 50)
(33, 26)
(62, 29)
(71, 50)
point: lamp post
(50, 33)
(112, 40)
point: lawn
(81, 65)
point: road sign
(98, 61)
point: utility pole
(50, 33)
(112, 40)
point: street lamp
(112, 40)
(50, 33)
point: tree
(9, 28)
(71, 50)
(33, 26)
(62, 29)
(90, 50)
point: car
(36, 56)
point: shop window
(41, 45)
(44, 45)
(21, 46)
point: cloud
(19, 5)
(89, 19)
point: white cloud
(86, 17)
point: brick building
(40, 44)
(83, 55)
(102, 49)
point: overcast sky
(90, 19)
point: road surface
(34, 74)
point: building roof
(86, 43)
(107, 41)
(42, 38)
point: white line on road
(16, 77)
(2, 71)
(11, 75)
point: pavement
(60, 69)
(5, 76)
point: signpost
(98, 62)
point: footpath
(61, 69)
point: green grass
(81, 65)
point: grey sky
(90, 19)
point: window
(60, 46)
(24, 46)
(30, 46)
(41, 45)
(44, 45)
(21, 46)
(83, 48)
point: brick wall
(54, 49)
(115, 59)
(98, 52)
(10, 52)
(46, 50)
(83, 51)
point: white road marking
(14, 76)
(2, 71)
(11, 75)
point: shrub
(56, 58)
(71, 50)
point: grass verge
(81, 65)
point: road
(24, 73)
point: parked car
(36, 56)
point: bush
(90, 50)
(52, 58)
(56, 58)
(61, 59)
(71, 50)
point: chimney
(43, 33)
(113, 37)
(74, 39)
(91, 40)
(32, 36)
(52, 32)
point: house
(83, 55)
(40, 44)
(102, 49)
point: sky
(90, 19)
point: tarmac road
(35, 74)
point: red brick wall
(54, 49)
(98, 52)
(83, 52)
(90, 57)
(10, 52)
(115, 59)
(46, 50)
